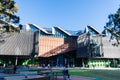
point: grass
(102, 74)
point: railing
(58, 50)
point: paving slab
(77, 78)
(58, 77)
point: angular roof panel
(91, 29)
(51, 30)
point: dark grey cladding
(23, 43)
(97, 46)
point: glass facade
(95, 46)
(57, 32)
(33, 28)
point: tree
(113, 25)
(8, 9)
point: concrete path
(33, 74)
(78, 78)
(58, 77)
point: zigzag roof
(92, 28)
(48, 32)
(38, 27)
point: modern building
(58, 47)
(88, 49)
(17, 47)
(97, 50)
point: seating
(44, 71)
(14, 78)
(35, 77)
(8, 70)
(50, 72)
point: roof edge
(92, 28)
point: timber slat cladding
(48, 43)
(49, 46)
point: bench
(63, 73)
(47, 72)
(14, 78)
(53, 73)
(8, 70)
(35, 77)
(44, 71)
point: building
(18, 47)
(97, 50)
(58, 47)
(88, 49)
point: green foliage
(114, 21)
(29, 61)
(1, 62)
(26, 62)
(8, 8)
(9, 62)
(113, 25)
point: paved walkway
(58, 77)
(23, 74)
(78, 78)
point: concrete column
(83, 62)
(16, 61)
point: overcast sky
(67, 14)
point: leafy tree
(8, 10)
(113, 25)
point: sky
(67, 14)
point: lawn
(102, 74)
